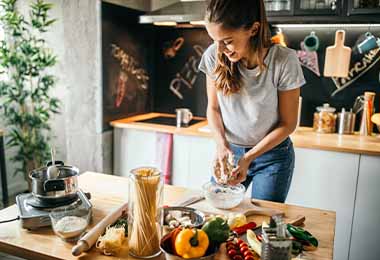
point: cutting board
(338, 56)
(248, 207)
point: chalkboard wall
(315, 92)
(170, 56)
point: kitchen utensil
(89, 239)
(55, 190)
(276, 242)
(311, 42)
(34, 213)
(189, 201)
(370, 42)
(366, 126)
(248, 207)
(52, 171)
(358, 104)
(324, 119)
(346, 122)
(184, 116)
(337, 59)
(297, 221)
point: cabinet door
(279, 7)
(363, 7)
(132, 149)
(192, 160)
(327, 180)
(318, 7)
(366, 224)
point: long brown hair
(237, 14)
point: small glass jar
(324, 119)
(145, 212)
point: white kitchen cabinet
(133, 148)
(192, 155)
(366, 225)
(193, 159)
(327, 180)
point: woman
(253, 90)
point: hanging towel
(164, 155)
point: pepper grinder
(366, 126)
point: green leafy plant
(26, 83)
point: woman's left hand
(241, 170)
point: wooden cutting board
(338, 56)
(248, 207)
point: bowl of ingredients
(70, 222)
(182, 217)
(176, 251)
(223, 196)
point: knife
(190, 201)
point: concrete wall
(76, 39)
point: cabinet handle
(333, 5)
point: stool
(3, 172)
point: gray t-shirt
(249, 115)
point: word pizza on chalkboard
(188, 74)
(357, 70)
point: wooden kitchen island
(108, 192)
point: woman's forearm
(274, 138)
(215, 121)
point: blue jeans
(271, 173)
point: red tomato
(243, 249)
(249, 257)
(232, 252)
(239, 241)
(237, 257)
(243, 244)
(247, 253)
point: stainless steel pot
(64, 187)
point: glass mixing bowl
(223, 196)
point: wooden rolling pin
(88, 240)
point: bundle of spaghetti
(144, 234)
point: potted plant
(26, 83)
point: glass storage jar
(145, 212)
(324, 119)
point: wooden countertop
(109, 192)
(303, 137)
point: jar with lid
(324, 119)
(145, 212)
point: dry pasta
(143, 231)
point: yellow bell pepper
(191, 243)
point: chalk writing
(358, 69)
(188, 74)
(130, 65)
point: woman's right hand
(223, 152)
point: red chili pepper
(241, 230)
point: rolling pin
(88, 240)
